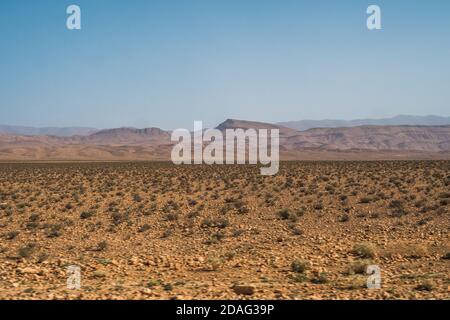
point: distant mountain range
(370, 138)
(364, 142)
(399, 120)
(300, 125)
(47, 131)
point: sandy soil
(157, 231)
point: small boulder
(244, 289)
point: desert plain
(153, 230)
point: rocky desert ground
(152, 230)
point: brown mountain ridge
(342, 143)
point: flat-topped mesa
(129, 135)
(399, 120)
(244, 124)
(130, 131)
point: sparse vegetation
(320, 278)
(102, 245)
(364, 250)
(299, 266)
(86, 214)
(425, 286)
(26, 251)
(358, 267)
(144, 230)
(11, 235)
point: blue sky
(168, 63)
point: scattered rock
(99, 274)
(244, 289)
(27, 270)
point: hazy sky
(165, 63)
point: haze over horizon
(166, 64)
(300, 125)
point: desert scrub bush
(153, 283)
(26, 251)
(358, 267)
(118, 217)
(54, 230)
(299, 277)
(444, 195)
(193, 214)
(300, 212)
(215, 238)
(214, 263)
(137, 198)
(167, 233)
(381, 195)
(243, 210)
(424, 221)
(192, 202)
(171, 216)
(299, 266)
(395, 204)
(364, 250)
(330, 189)
(240, 206)
(356, 283)
(296, 231)
(293, 217)
(42, 257)
(21, 205)
(344, 218)
(320, 278)
(229, 255)
(226, 208)
(31, 225)
(11, 235)
(86, 214)
(284, 214)
(425, 286)
(365, 200)
(144, 228)
(171, 205)
(374, 215)
(238, 232)
(398, 208)
(219, 222)
(101, 246)
(318, 206)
